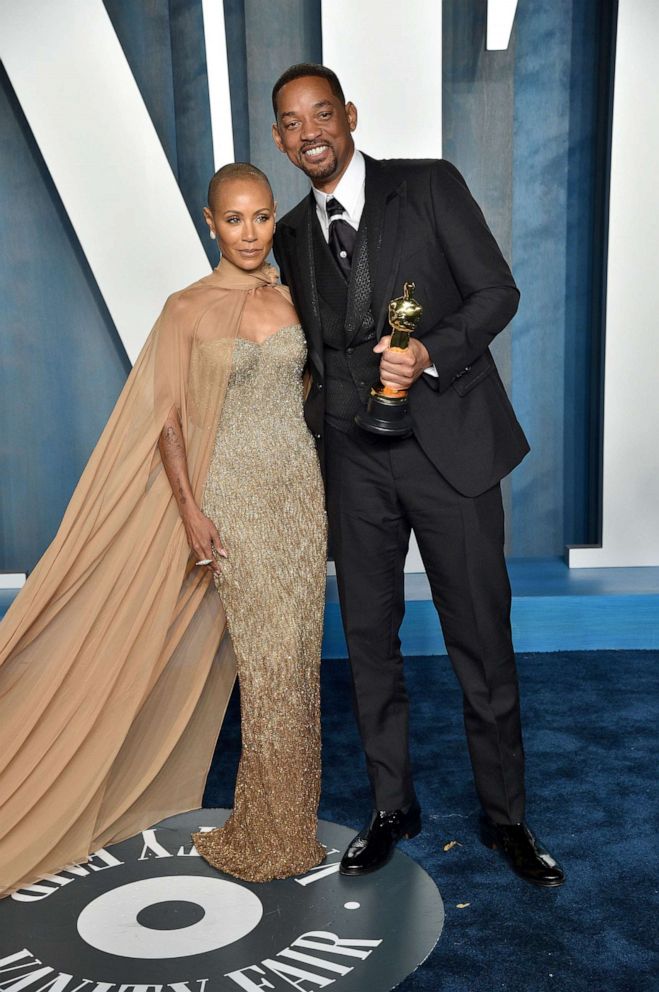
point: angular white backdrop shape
(88, 117)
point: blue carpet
(590, 727)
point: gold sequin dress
(264, 493)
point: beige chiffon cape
(114, 674)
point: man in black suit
(345, 251)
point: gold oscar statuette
(387, 410)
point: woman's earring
(213, 235)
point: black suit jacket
(425, 227)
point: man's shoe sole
(364, 871)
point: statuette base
(385, 417)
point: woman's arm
(201, 533)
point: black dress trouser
(378, 489)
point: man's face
(315, 130)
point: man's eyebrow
(316, 106)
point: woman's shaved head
(236, 170)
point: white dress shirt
(350, 193)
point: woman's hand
(203, 538)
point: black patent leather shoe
(374, 845)
(523, 851)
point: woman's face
(242, 218)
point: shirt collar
(350, 190)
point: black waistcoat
(351, 367)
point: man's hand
(400, 369)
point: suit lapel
(385, 215)
(301, 237)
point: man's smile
(315, 151)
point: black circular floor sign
(149, 915)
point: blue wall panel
(270, 50)
(541, 141)
(61, 362)
(477, 125)
(236, 39)
(262, 41)
(557, 258)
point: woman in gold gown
(264, 497)
(205, 481)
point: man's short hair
(303, 69)
(236, 170)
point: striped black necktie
(342, 236)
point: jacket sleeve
(489, 294)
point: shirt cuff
(431, 371)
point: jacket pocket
(465, 381)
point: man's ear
(351, 114)
(276, 137)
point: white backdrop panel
(219, 95)
(630, 533)
(89, 120)
(500, 19)
(388, 56)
